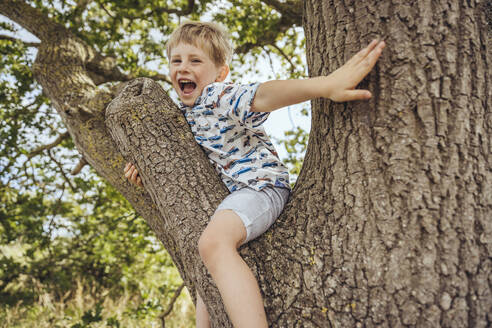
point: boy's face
(191, 69)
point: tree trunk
(389, 223)
(407, 183)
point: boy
(226, 120)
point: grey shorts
(257, 209)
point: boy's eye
(176, 61)
(196, 61)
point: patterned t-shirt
(233, 138)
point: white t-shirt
(233, 138)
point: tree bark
(389, 223)
(407, 179)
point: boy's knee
(223, 234)
(208, 244)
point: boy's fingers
(134, 175)
(352, 95)
(130, 172)
(129, 167)
(364, 52)
(376, 52)
(359, 94)
(371, 59)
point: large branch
(152, 133)
(32, 19)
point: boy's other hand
(342, 82)
(131, 174)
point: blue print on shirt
(233, 139)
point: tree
(392, 229)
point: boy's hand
(341, 83)
(131, 174)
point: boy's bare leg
(237, 284)
(202, 318)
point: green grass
(80, 308)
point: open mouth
(187, 86)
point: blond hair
(208, 36)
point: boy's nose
(183, 67)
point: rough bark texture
(390, 222)
(408, 178)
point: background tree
(389, 223)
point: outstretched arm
(338, 86)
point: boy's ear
(224, 71)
